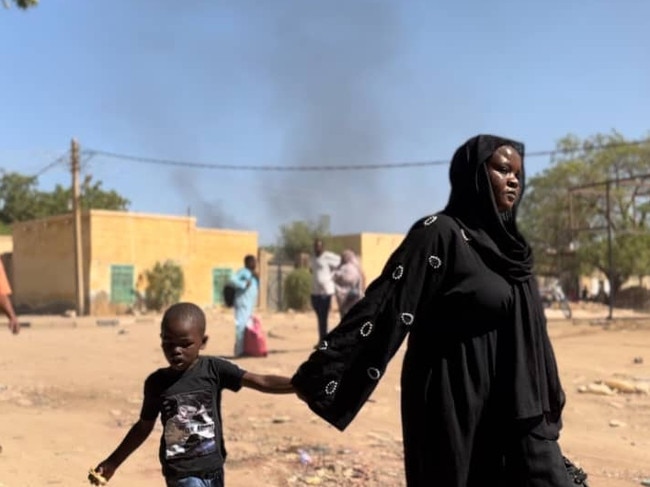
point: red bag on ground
(254, 339)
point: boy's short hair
(184, 312)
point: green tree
(24, 4)
(297, 290)
(564, 213)
(298, 237)
(20, 198)
(93, 196)
(165, 287)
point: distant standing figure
(140, 302)
(348, 281)
(246, 285)
(323, 264)
(5, 301)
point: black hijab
(472, 202)
(527, 367)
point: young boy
(187, 395)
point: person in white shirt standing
(323, 264)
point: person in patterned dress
(481, 398)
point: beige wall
(44, 258)
(339, 243)
(216, 248)
(376, 249)
(6, 244)
(6, 257)
(141, 240)
(373, 249)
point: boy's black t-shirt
(189, 404)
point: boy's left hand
(101, 474)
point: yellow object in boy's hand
(96, 478)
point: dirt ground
(71, 388)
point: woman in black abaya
(481, 396)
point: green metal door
(220, 276)
(122, 283)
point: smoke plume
(324, 63)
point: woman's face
(504, 169)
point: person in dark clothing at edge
(481, 396)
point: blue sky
(275, 82)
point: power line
(55, 162)
(236, 167)
(85, 160)
(60, 159)
(346, 167)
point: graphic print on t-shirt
(189, 428)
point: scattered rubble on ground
(613, 386)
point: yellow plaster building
(118, 247)
(6, 244)
(373, 249)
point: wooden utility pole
(610, 250)
(76, 211)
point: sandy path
(68, 394)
